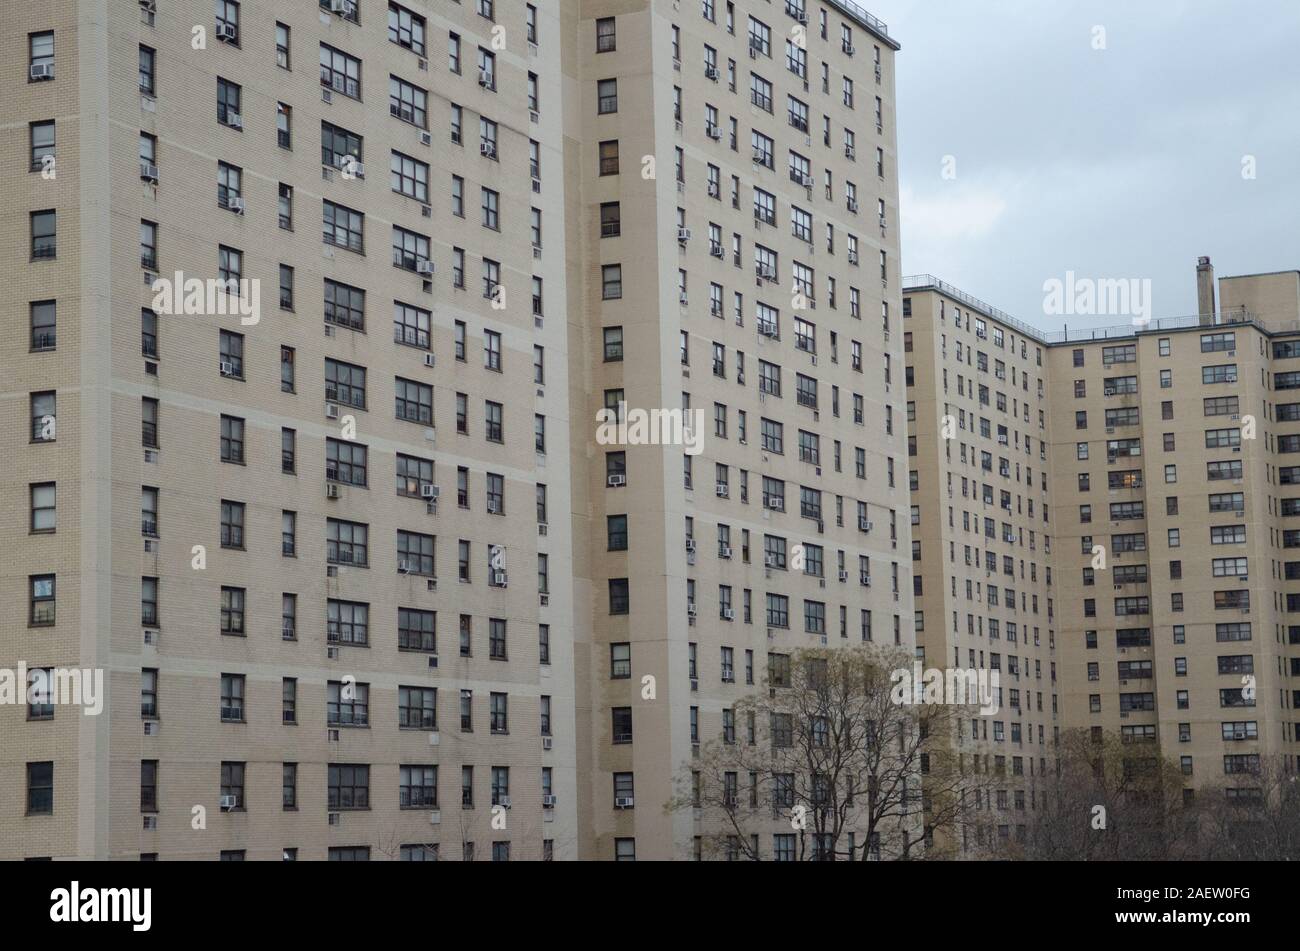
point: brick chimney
(1205, 289)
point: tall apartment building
(442, 652)
(1173, 450)
(1161, 516)
(324, 556)
(978, 447)
(749, 274)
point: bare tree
(826, 755)
(1253, 816)
(1110, 800)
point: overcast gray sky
(1124, 162)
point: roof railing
(922, 282)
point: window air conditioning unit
(236, 205)
(229, 802)
(424, 267)
(149, 172)
(40, 71)
(711, 72)
(616, 480)
(151, 728)
(690, 544)
(487, 149)
(485, 79)
(429, 360)
(865, 525)
(723, 490)
(227, 369)
(429, 491)
(844, 577)
(623, 802)
(226, 33)
(338, 6)
(331, 490)
(234, 120)
(548, 802)
(690, 610)
(331, 411)
(683, 235)
(728, 614)
(151, 822)
(499, 579)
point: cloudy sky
(1122, 162)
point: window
(493, 424)
(415, 554)
(347, 543)
(409, 177)
(345, 383)
(349, 788)
(343, 227)
(410, 250)
(416, 630)
(606, 37)
(232, 698)
(282, 34)
(418, 787)
(608, 154)
(44, 235)
(498, 722)
(618, 596)
(40, 788)
(340, 72)
(339, 148)
(147, 71)
(232, 611)
(230, 98)
(284, 125)
(346, 307)
(43, 507)
(606, 96)
(407, 102)
(285, 207)
(414, 401)
(612, 282)
(42, 144)
(228, 21)
(232, 524)
(406, 29)
(347, 705)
